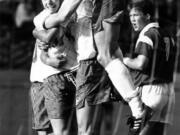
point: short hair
(145, 6)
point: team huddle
(78, 66)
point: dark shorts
(109, 11)
(93, 85)
(53, 99)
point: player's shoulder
(42, 14)
(152, 32)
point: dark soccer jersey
(104, 9)
(157, 46)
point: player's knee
(99, 58)
(123, 70)
(58, 133)
(118, 54)
(62, 132)
(83, 129)
(103, 60)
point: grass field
(15, 114)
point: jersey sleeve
(143, 49)
(145, 43)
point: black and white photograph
(89, 67)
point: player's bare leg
(110, 57)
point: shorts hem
(47, 129)
(81, 105)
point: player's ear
(148, 16)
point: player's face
(51, 5)
(138, 19)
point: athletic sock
(136, 107)
(122, 81)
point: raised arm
(46, 36)
(67, 8)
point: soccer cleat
(136, 125)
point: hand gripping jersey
(67, 47)
(39, 70)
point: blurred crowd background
(16, 40)
(16, 49)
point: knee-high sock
(122, 81)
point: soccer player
(53, 85)
(152, 66)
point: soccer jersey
(157, 47)
(85, 41)
(39, 70)
(90, 15)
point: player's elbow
(141, 65)
(141, 62)
(34, 32)
(62, 20)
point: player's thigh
(89, 117)
(106, 40)
(42, 133)
(84, 116)
(154, 128)
(66, 125)
(59, 126)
